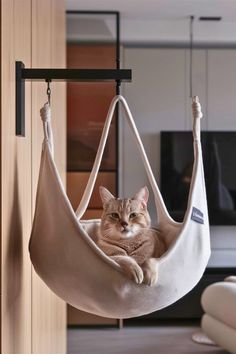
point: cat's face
(124, 218)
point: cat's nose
(124, 223)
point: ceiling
(167, 10)
(159, 21)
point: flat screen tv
(219, 151)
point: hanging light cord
(191, 57)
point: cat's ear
(142, 195)
(105, 195)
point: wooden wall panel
(59, 89)
(41, 57)
(48, 50)
(33, 320)
(16, 184)
(76, 184)
(58, 59)
(87, 105)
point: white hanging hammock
(63, 249)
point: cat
(126, 236)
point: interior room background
(160, 58)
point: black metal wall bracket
(76, 75)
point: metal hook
(48, 90)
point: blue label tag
(197, 216)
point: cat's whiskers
(135, 229)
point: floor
(137, 340)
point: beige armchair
(219, 321)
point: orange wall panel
(76, 183)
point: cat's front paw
(135, 273)
(150, 277)
(150, 273)
(130, 267)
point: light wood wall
(33, 320)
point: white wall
(159, 100)
(156, 102)
(156, 30)
(177, 31)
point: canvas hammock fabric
(63, 248)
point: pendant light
(191, 57)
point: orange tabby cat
(126, 237)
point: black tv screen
(219, 150)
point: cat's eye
(133, 215)
(115, 215)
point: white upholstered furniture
(219, 321)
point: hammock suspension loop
(48, 90)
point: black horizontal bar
(210, 18)
(76, 75)
(88, 12)
(85, 75)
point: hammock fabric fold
(63, 247)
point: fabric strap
(45, 113)
(92, 179)
(162, 211)
(197, 115)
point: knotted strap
(45, 113)
(197, 115)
